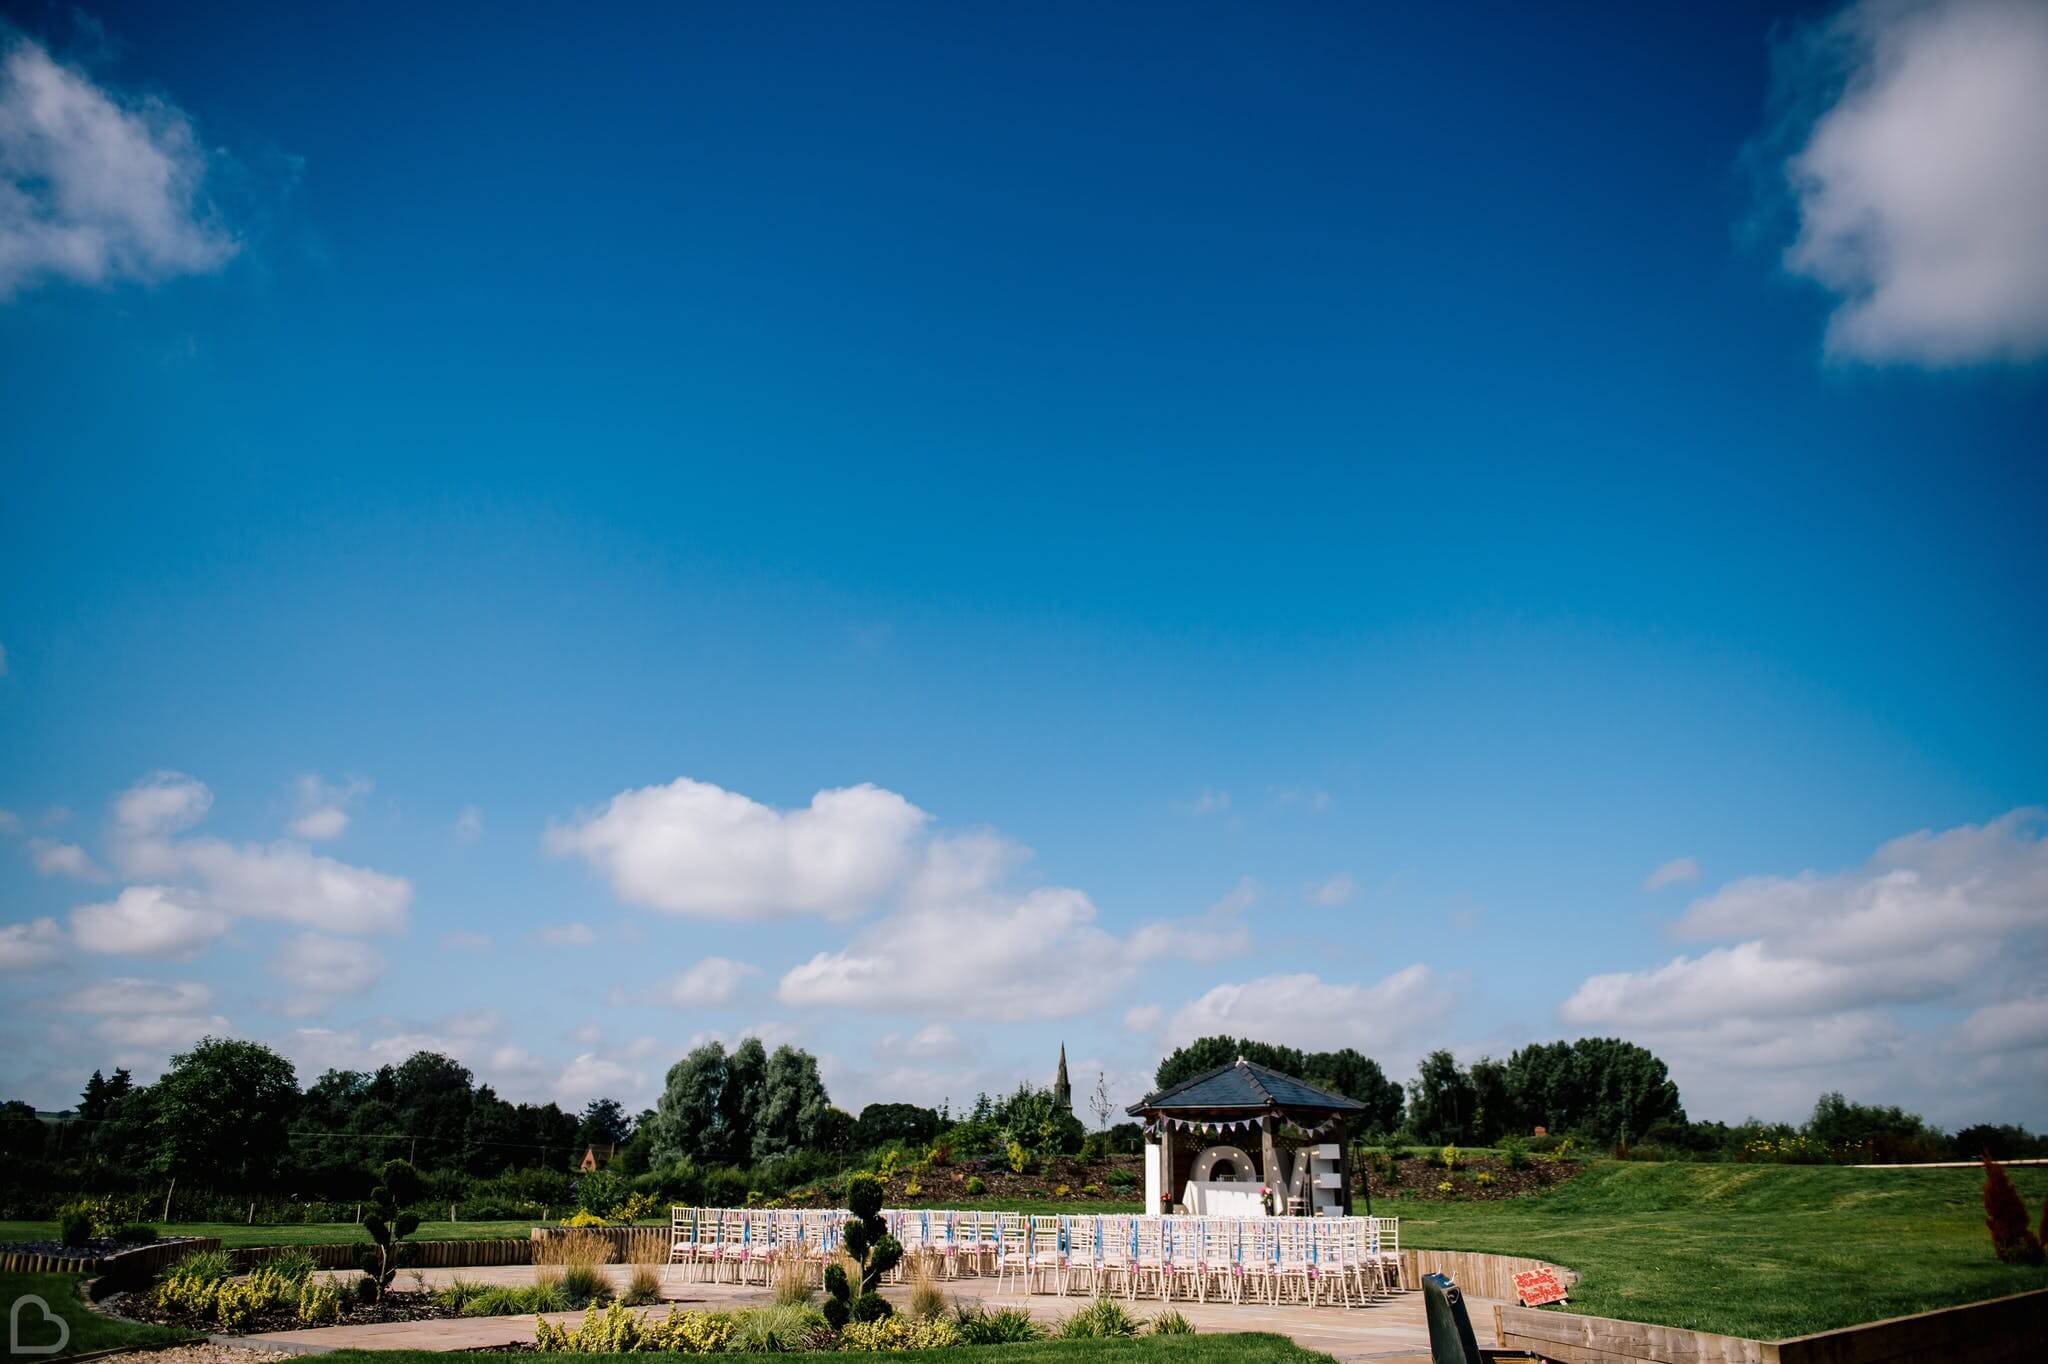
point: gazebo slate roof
(1245, 1084)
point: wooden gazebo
(1213, 1141)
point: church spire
(1062, 1091)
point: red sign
(1536, 1287)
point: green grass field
(1766, 1251)
(1249, 1348)
(291, 1233)
(89, 1330)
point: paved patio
(1393, 1331)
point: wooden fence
(1476, 1275)
(2000, 1331)
(630, 1245)
(424, 1254)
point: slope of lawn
(89, 1330)
(1248, 1348)
(1766, 1251)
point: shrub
(940, 1152)
(874, 1252)
(913, 1188)
(895, 1333)
(458, 1295)
(600, 1192)
(203, 1266)
(1103, 1318)
(582, 1219)
(1484, 1179)
(1092, 1190)
(1562, 1152)
(2012, 1240)
(1447, 1159)
(1514, 1153)
(1020, 1159)
(1172, 1323)
(1095, 1146)
(980, 1325)
(1446, 1187)
(1121, 1178)
(74, 1228)
(387, 1227)
(643, 1287)
(319, 1302)
(976, 1185)
(135, 1234)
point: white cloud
(130, 995)
(324, 807)
(52, 858)
(697, 849)
(568, 935)
(1304, 1010)
(469, 825)
(321, 970)
(1215, 935)
(590, 1076)
(147, 921)
(161, 804)
(1679, 871)
(283, 881)
(466, 942)
(714, 980)
(95, 189)
(24, 946)
(1338, 890)
(1955, 920)
(1143, 1018)
(1922, 191)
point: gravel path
(204, 1352)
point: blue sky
(1395, 530)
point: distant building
(1062, 1091)
(589, 1161)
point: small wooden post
(1166, 1189)
(167, 1198)
(252, 1212)
(1343, 1172)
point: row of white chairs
(1339, 1260)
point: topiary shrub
(976, 1185)
(75, 1228)
(2012, 1240)
(874, 1253)
(388, 1227)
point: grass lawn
(89, 1330)
(1766, 1251)
(293, 1233)
(1248, 1348)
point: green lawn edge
(1250, 1347)
(90, 1330)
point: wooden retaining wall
(141, 1261)
(630, 1245)
(1999, 1331)
(424, 1255)
(1476, 1275)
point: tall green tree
(791, 1106)
(1441, 1100)
(604, 1124)
(223, 1114)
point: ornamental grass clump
(981, 1325)
(1171, 1323)
(789, 1279)
(1105, 1318)
(853, 1296)
(777, 1330)
(643, 1287)
(927, 1297)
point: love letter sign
(1536, 1287)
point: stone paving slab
(1387, 1332)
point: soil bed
(395, 1306)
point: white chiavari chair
(1084, 1262)
(1013, 1249)
(1215, 1264)
(1047, 1271)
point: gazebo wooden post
(1343, 1170)
(1168, 1193)
(1269, 1157)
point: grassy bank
(89, 1330)
(1766, 1251)
(1249, 1348)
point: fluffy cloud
(1844, 970)
(96, 189)
(147, 1019)
(282, 880)
(1216, 935)
(693, 848)
(321, 970)
(147, 921)
(324, 808)
(1679, 871)
(1921, 190)
(29, 945)
(714, 980)
(1038, 956)
(1304, 1010)
(52, 858)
